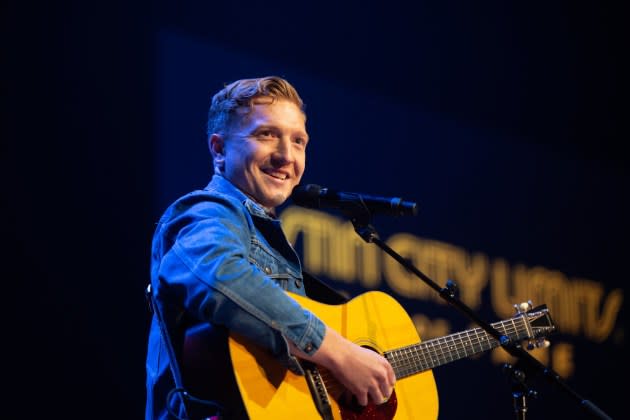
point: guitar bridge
(318, 389)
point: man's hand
(365, 373)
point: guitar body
(249, 384)
(374, 320)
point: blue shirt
(221, 260)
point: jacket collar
(220, 184)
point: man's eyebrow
(264, 127)
(277, 128)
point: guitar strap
(177, 377)
(317, 290)
(174, 366)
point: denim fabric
(221, 259)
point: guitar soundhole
(351, 410)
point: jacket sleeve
(207, 268)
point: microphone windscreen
(306, 195)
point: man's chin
(275, 199)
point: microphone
(316, 197)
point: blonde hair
(243, 93)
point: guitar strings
(423, 356)
(435, 352)
(432, 357)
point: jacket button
(268, 270)
(308, 348)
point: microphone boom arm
(363, 227)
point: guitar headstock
(539, 323)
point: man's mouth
(277, 175)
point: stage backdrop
(507, 219)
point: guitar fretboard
(416, 358)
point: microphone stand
(519, 374)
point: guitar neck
(417, 358)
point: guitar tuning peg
(523, 307)
(539, 343)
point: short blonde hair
(242, 93)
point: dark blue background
(502, 120)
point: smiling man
(263, 153)
(221, 264)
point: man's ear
(216, 144)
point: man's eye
(300, 140)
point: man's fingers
(385, 396)
(386, 391)
(362, 399)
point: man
(221, 260)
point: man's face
(265, 154)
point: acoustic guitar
(377, 321)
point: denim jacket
(223, 261)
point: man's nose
(283, 153)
